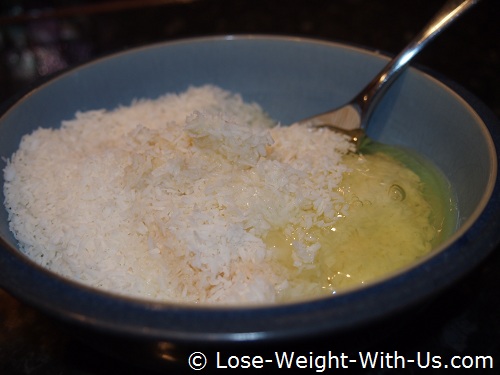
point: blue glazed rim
(101, 311)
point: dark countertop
(463, 320)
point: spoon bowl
(353, 118)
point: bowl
(291, 78)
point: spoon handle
(367, 99)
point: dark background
(39, 38)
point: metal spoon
(353, 118)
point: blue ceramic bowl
(291, 78)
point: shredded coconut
(172, 198)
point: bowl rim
(332, 314)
